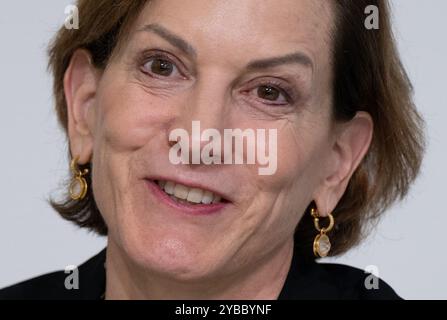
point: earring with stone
(322, 244)
(78, 186)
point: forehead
(264, 28)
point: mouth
(189, 199)
(188, 195)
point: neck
(263, 280)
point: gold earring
(322, 245)
(78, 186)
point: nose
(207, 105)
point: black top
(311, 280)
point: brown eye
(268, 93)
(161, 67)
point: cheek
(300, 153)
(276, 199)
(124, 122)
(129, 115)
(124, 125)
(293, 156)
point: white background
(408, 246)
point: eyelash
(278, 85)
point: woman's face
(220, 74)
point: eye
(273, 94)
(161, 66)
(268, 93)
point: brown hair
(368, 76)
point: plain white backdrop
(408, 246)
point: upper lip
(192, 184)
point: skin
(120, 119)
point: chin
(167, 253)
(163, 240)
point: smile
(189, 199)
(187, 195)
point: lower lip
(192, 209)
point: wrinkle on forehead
(233, 20)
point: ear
(352, 142)
(80, 85)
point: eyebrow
(173, 39)
(267, 63)
(293, 58)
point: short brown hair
(368, 76)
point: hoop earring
(78, 186)
(322, 244)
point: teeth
(185, 194)
(216, 199)
(169, 187)
(207, 197)
(195, 195)
(180, 191)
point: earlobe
(80, 86)
(352, 144)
